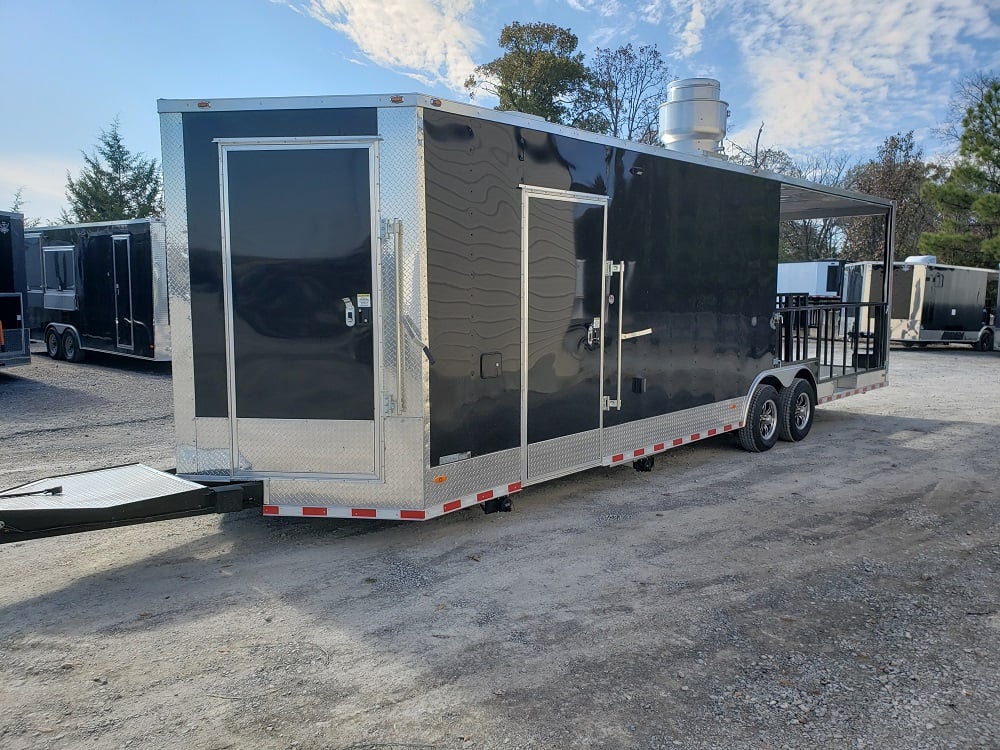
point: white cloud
(43, 180)
(825, 71)
(428, 40)
(691, 36)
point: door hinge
(608, 403)
(388, 404)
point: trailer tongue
(118, 496)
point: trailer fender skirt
(649, 450)
(838, 395)
(396, 514)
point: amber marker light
(440, 479)
(396, 99)
(436, 102)
(204, 105)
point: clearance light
(396, 99)
(440, 479)
(436, 102)
(204, 105)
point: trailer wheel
(71, 347)
(53, 344)
(760, 432)
(985, 341)
(796, 410)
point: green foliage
(114, 184)
(540, 74)
(897, 172)
(967, 196)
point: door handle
(348, 312)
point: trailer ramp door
(98, 499)
(301, 306)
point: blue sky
(825, 76)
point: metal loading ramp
(111, 497)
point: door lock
(348, 312)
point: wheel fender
(780, 378)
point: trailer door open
(301, 314)
(564, 248)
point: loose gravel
(841, 592)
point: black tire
(53, 344)
(760, 432)
(71, 347)
(796, 410)
(985, 341)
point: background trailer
(14, 347)
(932, 303)
(398, 306)
(817, 279)
(100, 287)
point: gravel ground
(841, 592)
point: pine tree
(114, 184)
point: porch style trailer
(396, 307)
(932, 303)
(411, 306)
(99, 287)
(14, 341)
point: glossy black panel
(94, 273)
(565, 247)
(699, 247)
(12, 274)
(201, 166)
(955, 299)
(473, 285)
(700, 250)
(300, 236)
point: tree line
(950, 209)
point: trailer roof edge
(821, 201)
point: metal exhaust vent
(693, 119)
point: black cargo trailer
(14, 346)
(99, 287)
(411, 305)
(397, 307)
(932, 303)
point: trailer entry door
(563, 254)
(121, 259)
(301, 307)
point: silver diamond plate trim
(401, 197)
(306, 446)
(564, 455)
(473, 475)
(402, 488)
(213, 456)
(682, 424)
(161, 307)
(179, 289)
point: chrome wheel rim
(803, 408)
(768, 419)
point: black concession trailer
(14, 337)
(99, 287)
(395, 306)
(932, 303)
